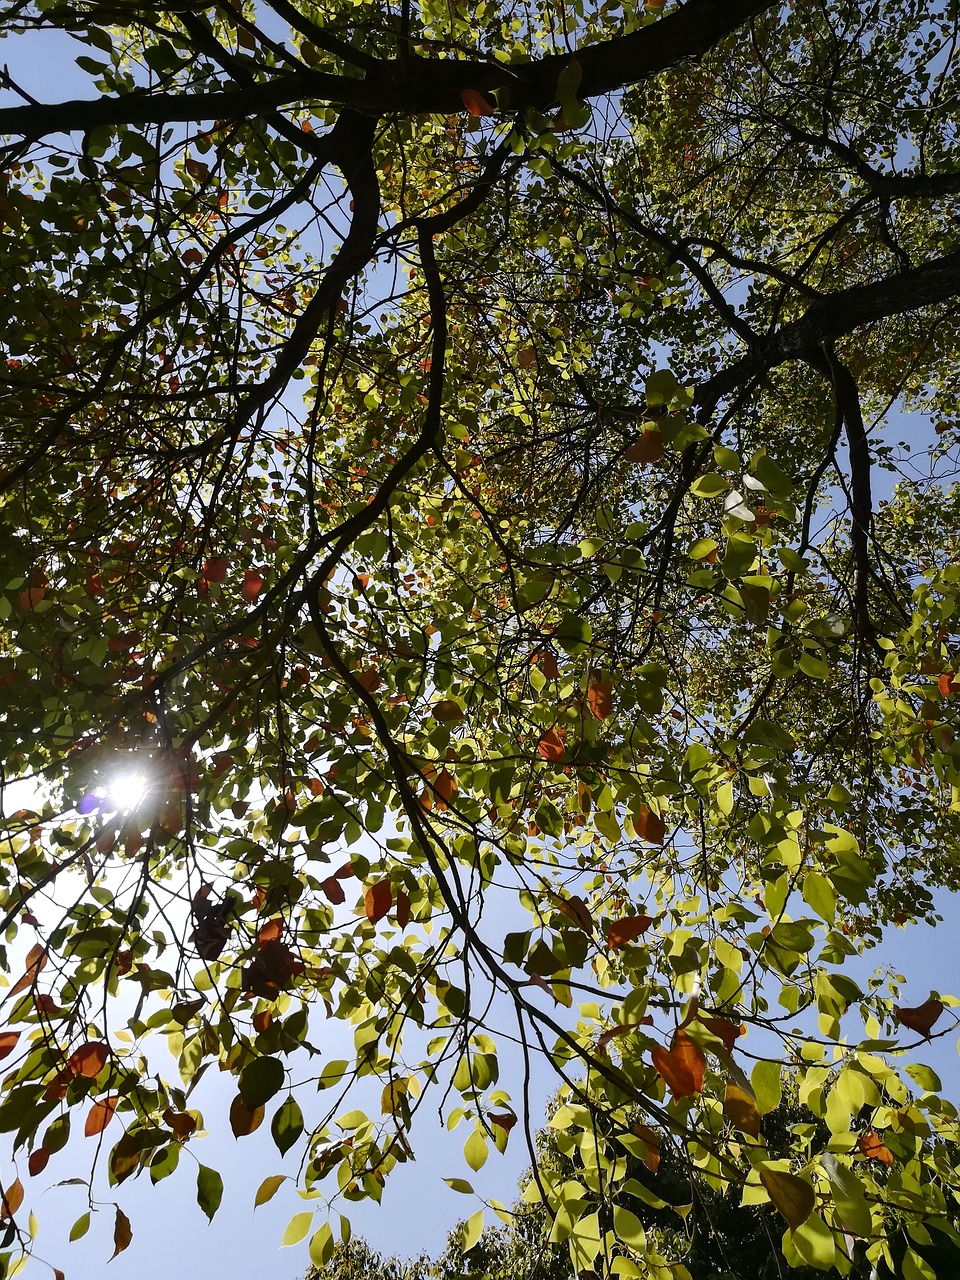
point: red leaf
(871, 1146)
(100, 1115)
(89, 1060)
(30, 597)
(8, 1042)
(403, 909)
(12, 1199)
(620, 932)
(38, 1161)
(551, 745)
(252, 585)
(333, 890)
(920, 1019)
(649, 826)
(681, 1066)
(600, 698)
(476, 103)
(215, 569)
(378, 900)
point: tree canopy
(464, 580)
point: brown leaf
(873, 1148)
(551, 745)
(38, 1161)
(649, 825)
(575, 909)
(741, 1108)
(502, 1119)
(100, 1115)
(89, 1060)
(12, 1199)
(122, 1233)
(243, 1120)
(181, 1122)
(447, 711)
(600, 698)
(444, 785)
(627, 929)
(8, 1042)
(333, 890)
(378, 900)
(681, 1066)
(612, 1033)
(196, 169)
(403, 909)
(920, 1019)
(549, 666)
(272, 971)
(649, 448)
(724, 1030)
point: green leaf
(209, 1190)
(472, 1230)
(296, 1229)
(792, 1197)
(260, 1080)
(321, 1244)
(80, 1227)
(848, 1196)
(475, 1150)
(573, 634)
(766, 1086)
(710, 485)
(287, 1125)
(459, 1184)
(268, 1188)
(819, 896)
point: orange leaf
(122, 1233)
(252, 584)
(36, 959)
(243, 1121)
(652, 1140)
(551, 745)
(270, 932)
(378, 900)
(920, 1019)
(30, 597)
(948, 684)
(649, 826)
(741, 1109)
(649, 448)
(476, 103)
(12, 1199)
(89, 1060)
(100, 1115)
(600, 698)
(681, 1066)
(8, 1042)
(38, 1161)
(525, 357)
(871, 1146)
(628, 929)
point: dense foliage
(455, 585)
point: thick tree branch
(417, 85)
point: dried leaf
(551, 745)
(872, 1147)
(122, 1234)
(682, 1066)
(627, 929)
(921, 1018)
(12, 1199)
(243, 1119)
(649, 826)
(649, 448)
(8, 1042)
(600, 699)
(575, 909)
